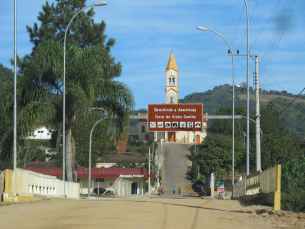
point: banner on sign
(174, 117)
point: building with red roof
(102, 177)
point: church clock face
(171, 72)
(171, 98)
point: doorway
(197, 139)
(171, 136)
(135, 186)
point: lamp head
(202, 28)
(101, 3)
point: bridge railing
(21, 185)
(267, 182)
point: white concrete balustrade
(28, 183)
(267, 182)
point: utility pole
(149, 171)
(195, 152)
(257, 120)
(153, 149)
(257, 113)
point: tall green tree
(90, 70)
(224, 126)
(40, 84)
(103, 141)
(215, 155)
(272, 122)
(6, 78)
(83, 31)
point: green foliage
(83, 32)
(272, 122)
(200, 180)
(194, 172)
(293, 185)
(215, 155)
(140, 147)
(103, 143)
(6, 76)
(278, 151)
(224, 126)
(41, 83)
(221, 96)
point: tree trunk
(69, 155)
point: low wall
(23, 185)
(268, 182)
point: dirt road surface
(144, 213)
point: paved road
(175, 166)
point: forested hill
(221, 96)
(6, 76)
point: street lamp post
(248, 124)
(64, 93)
(15, 90)
(205, 29)
(90, 143)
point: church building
(171, 96)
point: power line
(265, 24)
(238, 25)
(261, 77)
(281, 31)
(292, 101)
(273, 37)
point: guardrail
(267, 182)
(23, 185)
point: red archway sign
(175, 117)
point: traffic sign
(175, 117)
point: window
(99, 180)
(171, 81)
(143, 129)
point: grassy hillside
(222, 96)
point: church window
(173, 80)
(170, 81)
(143, 129)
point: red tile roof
(37, 127)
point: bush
(293, 201)
(293, 186)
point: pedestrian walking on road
(174, 190)
(179, 190)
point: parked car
(102, 191)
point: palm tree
(89, 83)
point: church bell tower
(171, 88)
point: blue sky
(147, 31)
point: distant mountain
(221, 96)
